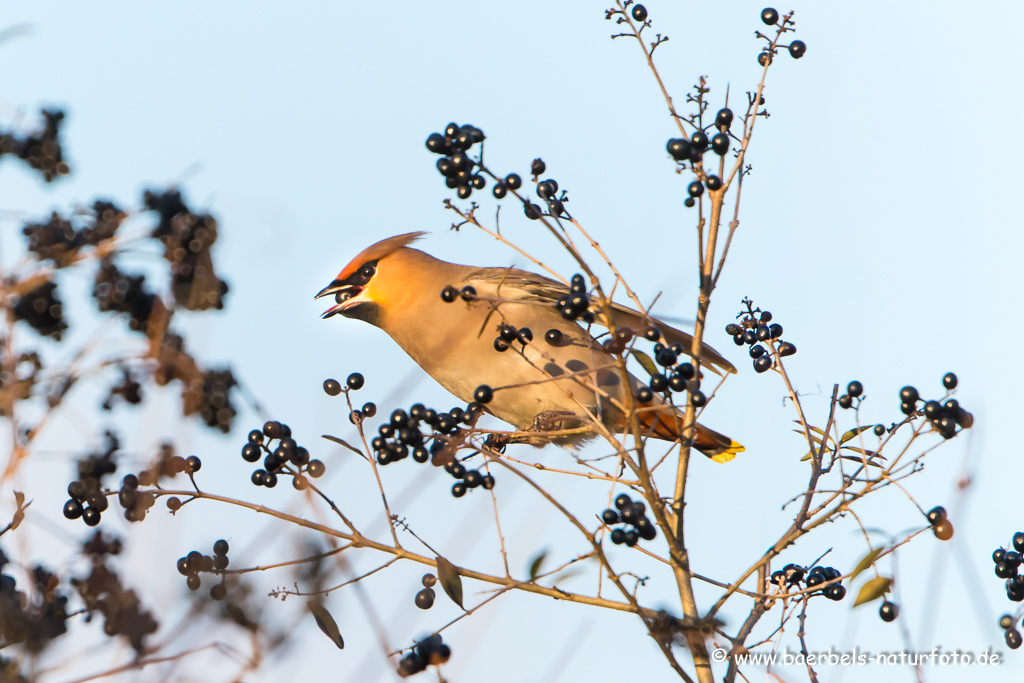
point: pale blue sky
(881, 226)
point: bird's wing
(522, 285)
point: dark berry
(256, 436)
(936, 515)
(220, 547)
(193, 582)
(464, 191)
(554, 337)
(1013, 638)
(218, 592)
(879, 430)
(836, 591)
(695, 188)
(332, 387)
(632, 538)
(513, 181)
(449, 294)
(531, 210)
(943, 530)
(425, 598)
(483, 394)
(678, 149)
(468, 293)
(622, 501)
(369, 409)
(639, 12)
(537, 167)
(949, 381)
(273, 430)
(259, 477)
(699, 140)
(714, 183)
(618, 536)
(499, 191)
(698, 399)
(355, 381)
(459, 489)
(720, 144)
(909, 395)
(72, 509)
(889, 611)
(855, 389)
(933, 410)
(478, 182)
(769, 16)
(174, 503)
(797, 49)
(1018, 541)
(193, 464)
(91, 516)
(724, 119)
(130, 481)
(764, 59)
(436, 143)
(762, 364)
(610, 517)
(845, 402)
(689, 202)
(644, 395)
(500, 344)
(315, 468)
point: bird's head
(360, 290)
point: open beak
(342, 293)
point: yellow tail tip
(729, 453)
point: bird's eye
(367, 271)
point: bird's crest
(379, 250)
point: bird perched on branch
(557, 388)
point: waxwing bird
(568, 386)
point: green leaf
(865, 562)
(536, 563)
(854, 433)
(645, 361)
(326, 623)
(450, 581)
(342, 442)
(872, 590)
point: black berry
(639, 12)
(769, 16)
(332, 387)
(355, 381)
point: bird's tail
(667, 425)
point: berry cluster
(797, 49)
(693, 150)
(575, 304)
(427, 652)
(1008, 563)
(129, 389)
(632, 514)
(195, 562)
(756, 326)
(547, 190)
(400, 436)
(57, 239)
(87, 498)
(42, 310)
(425, 598)
(459, 170)
(33, 621)
(938, 519)
(1008, 623)
(187, 238)
(121, 293)
(42, 150)
(277, 459)
(944, 416)
(792, 575)
(215, 406)
(134, 502)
